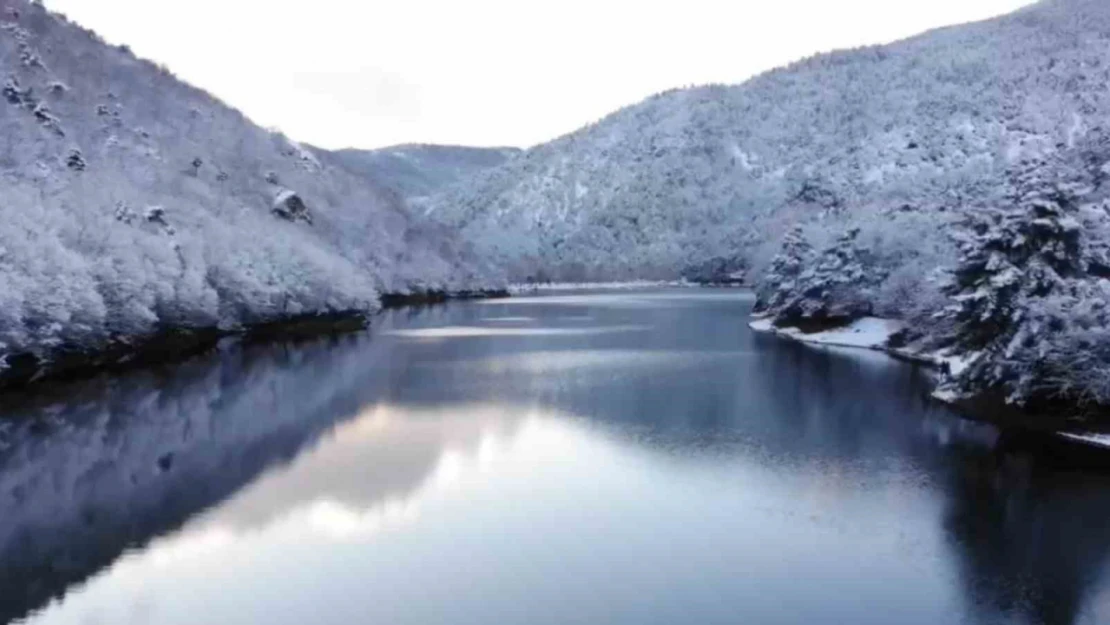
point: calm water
(601, 458)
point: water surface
(635, 457)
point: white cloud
(484, 72)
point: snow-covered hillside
(420, 170)
(717, 172)
(955, 182)
(133, 203)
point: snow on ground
(866, 333)
(957, 363)
(1087, 438)
(953, 362)
(762, 325)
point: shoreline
(630, 285)
(25, 371)
(873, 334)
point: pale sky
(371, 73)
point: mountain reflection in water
(634, 457)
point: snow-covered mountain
(134, 203)
(420, 170)
(718, 172)
(956, 181)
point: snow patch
(958, 363)
(866, 333)
(947, 396)
(1088, 438)
(762, 325)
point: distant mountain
(135, 204)
(419, 170)
(716, 175)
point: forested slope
(134, 203)
(956, 181)
(419, 170)
(720, 171)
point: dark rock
(75, 160)
(157, 215)
(46, 118)
(12, 93)
(289, 206)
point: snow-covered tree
(1008, 253)
(1029, 292)
(816, 290)
(87, 263)
(780, 281)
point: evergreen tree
(1024, 271)
(779, 281)
(814, 290)
(1009, 253)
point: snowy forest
(416, 171)
(955, 181)
(725, 171)
(135, 204)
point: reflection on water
(449, 332)
(103, 467)
(1031, 544)
(631, 458)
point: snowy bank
(865, 333)
(874, 334)
(1087, 438)
(175, 344)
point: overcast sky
(370, 73)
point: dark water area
(632, 457)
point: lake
(608, 457)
